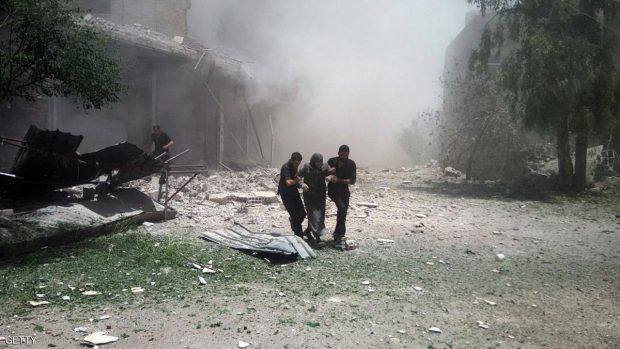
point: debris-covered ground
(438, 264)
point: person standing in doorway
(287, 189)
(162, 143)
(338, 190)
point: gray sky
(354, 71)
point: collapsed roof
(139, 36)
(47, 160)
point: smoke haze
(342, 72)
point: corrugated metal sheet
(240, 238)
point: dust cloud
(340, 72)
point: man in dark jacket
(162, 143)
(287, 189)
(338, 190)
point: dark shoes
(340, 243)
(309, 236)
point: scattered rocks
(452, 172)
(434, 330)
(97, 338)
(481, 324)
(368, 204)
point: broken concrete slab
(97, 338)
(60, 223)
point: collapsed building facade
(478, 134)
(197, 95)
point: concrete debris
(97, 338)
(80, 329)
(243, 344)
(368, 204)
(500, 257)
(434, 330)
(202, 280)
(452, 172)
(488, 301)
(58, 223)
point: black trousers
(315, 205)
(296, 211)
(342, 203)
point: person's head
(316, 160)
(343, 152)
(296, 159)
(156, 129)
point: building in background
(195, 94)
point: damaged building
(198, 96)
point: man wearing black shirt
(162, 143)
(338, 190)
(287, 189)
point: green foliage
(561, 66)
(559, 74)
(45, 50)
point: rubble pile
(220, 198)
(223, 198)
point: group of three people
(339, 172)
